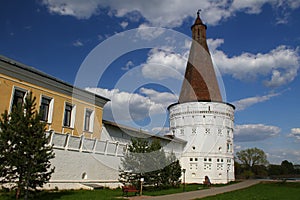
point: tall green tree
(24, 151)
(149, 161)
(287, 167)
(251, 157)
(172, 171)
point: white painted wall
(80, 160)
(208, 129)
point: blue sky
(134, 52)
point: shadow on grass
(106, 194)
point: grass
(104, 194)
(263, 191)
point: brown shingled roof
(200, 83)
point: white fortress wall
(80, 160)
(208, 129)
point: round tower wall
(208, 129)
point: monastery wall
(79, 161)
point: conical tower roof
(200, 81)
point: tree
(172, 171)
(287, 167)
(24, 151)
(274, 170)
(149, 161)
(251, 157)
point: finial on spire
(198, 12)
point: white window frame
(73, 115)
(13, 94)
(91, 121)
(51, 106)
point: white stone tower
(202, 118)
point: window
(46, 109)
(207, 131)
(207, 166)
(181, 131)
(220, 167)
(228, 167)
(69, 115)
(228, 147)
(18, 97)
(219, 132)
(191, 159)
(193, 130)
(88, 120)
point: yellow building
(66, 109)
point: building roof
(200, 82)
(139, 133)
(31, 75)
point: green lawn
(99, 194)
(105, 194)
(263, 191)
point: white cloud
(132, 106)
(279, 66)
(147, 32)
(213, 44)
(79, 9)
(163, 98)
(254, 132)
(128, 65)
(295, 132)
(277, 155)
(276, 68)
(162, 64)
(242, 104)
(249, 6)
(160, 130)
(77, 43)
(124, 24)
(168, 13)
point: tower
(202, 118)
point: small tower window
(181, 131)
(207, 131)
(194, 130)
(219, 132)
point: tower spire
(200, 82)
(199, 31)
